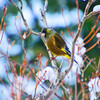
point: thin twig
(53, 62)
(67, 91)
(13, 83)
(93, 28)
(51, 92)
(92, 14)
(95, 32)
(66, 25)
(27, 66)
(73, 44)
(78, 11)
(43, 13)
(77, 34)
(24, 20)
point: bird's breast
(53, 48)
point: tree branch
(44, 12)
(85, 16)
(24, 20)
(53, 62)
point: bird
(55, 43)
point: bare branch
(51, 91)
(24, 20)
(53, 62)
(43, 13)
(91, 14)
(78, 32)
(73, 44)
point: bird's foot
(53, 58)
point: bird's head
(48, 32)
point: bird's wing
(53, 47)
(60, 43)
(68, 51)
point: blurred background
(33, 44)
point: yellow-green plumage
(55, 43)
(56, 46)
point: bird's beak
(43, 34)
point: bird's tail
(76, 61)
(68, 54)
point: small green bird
(56, 43)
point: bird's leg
(53, 58)
(47, 49)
